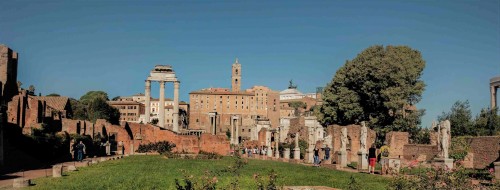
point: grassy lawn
(155, 172)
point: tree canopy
(54, 94)
(487, 122)
(381, 86)
(93, 105)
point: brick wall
(420, 152)
(485, 150)
(353, 133)
(396, 142)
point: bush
(459, 148)
(160, 147)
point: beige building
(140, 99)
(129, 110)
(216, 110)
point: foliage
(154, 121)
(54, 94)
(460, 117)
(353, 184)
(487, 123)
(423, 136)
(92, 106)
(160, 147)
(267, 184)
(380, 86)
(459, 148)
(100, 109)
(208, 155)
(297, 104)
(189, 182)
(434, 178)
(303, 147)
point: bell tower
(236, 77)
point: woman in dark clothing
(372, 158)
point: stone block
(342, 159)
(296, 153)
(362, 161)
(390, 166)
(446, 163)
(71, 168)
(286, 153)
(57, 170)
(21, 182)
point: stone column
(176, 107)
(161, 106)
(232, 131)
(237, 128)
(296, 150)
(493, 94)
(286, 153)
(277, 142)
(148, 104)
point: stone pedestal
(362, 160)
(342, 159)
(390, 165)
(310, 155)
(497, 170)
(286, 153)
(57, 170)
(132, 149)
(108, 149)
(296, 153)
(21, 182)
(269, 152)
(446, 163)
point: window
(236, 81)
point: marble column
(147, 94)
(176, 107)
(277, 142)
(296, 150)
(161, 106)
(237, 128)
(493, 94)
(232, 131)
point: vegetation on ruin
(486, 123)
(156, 172)
(92, 106)
(381, 86)
(159, 147)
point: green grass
(155, 172)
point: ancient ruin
(163, 74)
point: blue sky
(71, 47)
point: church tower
(236, 77)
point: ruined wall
(485, 150)
(420, 152)
(134, 134)
(353, 134)
(396, 142)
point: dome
(290, 91)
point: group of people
(255, 151)
(316, 150)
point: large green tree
(380, 86)
(93, 105)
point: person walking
(327, 153)
(81, 150)
(372, 158)
(316, 156)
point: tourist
(316, 156)
(327, 153)
(81, 150)
(372, 158)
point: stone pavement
(7, 180)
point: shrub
(160, 147)
(459, 148)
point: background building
(212, 109)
